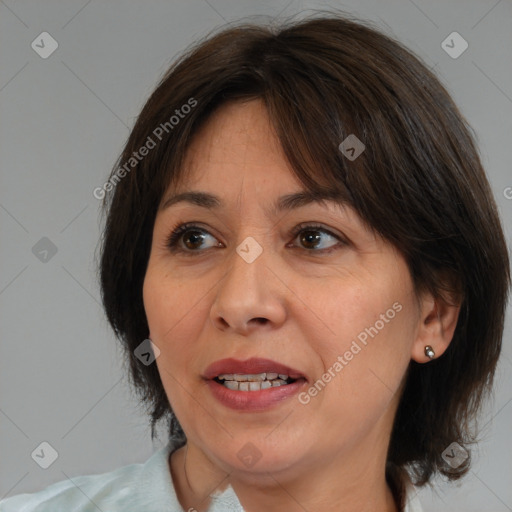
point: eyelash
(180, 229)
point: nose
(250, 295)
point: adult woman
(297, 376)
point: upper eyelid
(185, 226)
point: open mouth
(253, 382)
(253, 385)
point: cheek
(364, 358)
(169, 305)
(353, 309)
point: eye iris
(309, 237)
(195, 236)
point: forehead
(237, 155)
(235, 164)
(238, 140)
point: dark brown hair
(419, 183)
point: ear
(436, 325)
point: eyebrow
(286, 202)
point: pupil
(197, 238)
(309, 237)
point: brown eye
(192, 237)
(312, 237)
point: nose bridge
(246, 269)
(247, 291)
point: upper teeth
(255, 377)
(253, 382)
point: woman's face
(331, 306)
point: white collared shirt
(144, 487)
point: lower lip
(254, 400)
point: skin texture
(330, 453)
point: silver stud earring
(429, 352)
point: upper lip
(254, 365)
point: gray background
(64, 120)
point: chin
(253, 458)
